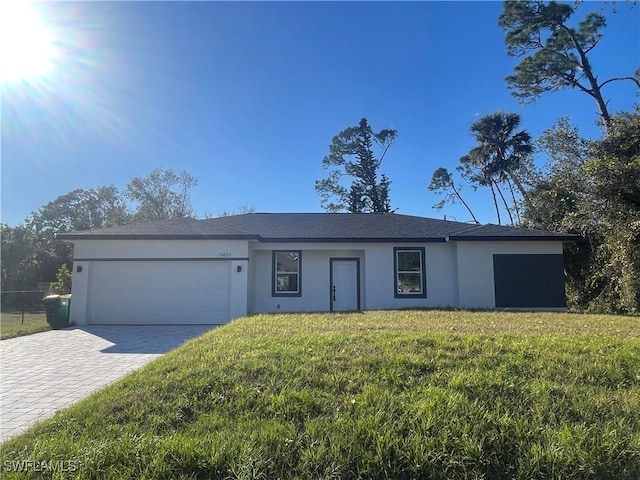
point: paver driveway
(44, 372)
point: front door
(345, 284)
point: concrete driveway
(45, 372)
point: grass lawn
(404, 394)
(11, 324)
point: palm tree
(503, 155)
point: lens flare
(26, 45)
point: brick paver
(44, 372)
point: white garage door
(159, 292)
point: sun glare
(25, 43)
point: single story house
(188, 271)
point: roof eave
(74, 237)
(513, 238)
(353, 240)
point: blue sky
(247, 97)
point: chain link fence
(22, 306)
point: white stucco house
(210, 271)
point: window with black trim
(409, 269)
(286, 280)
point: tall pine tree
(354, 183)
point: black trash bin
(57, 307)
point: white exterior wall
(475, 267)
(458, 274)
(80, 293)
(314, 277)
(101, 249)
(376, 276)
(239, 288)
(440, 279)
(86, 252)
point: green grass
(11, 324)
(404, 394)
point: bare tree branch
(634, 80)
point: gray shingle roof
(490, 232)
(318, 227)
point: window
(409, 273)
(286, 274)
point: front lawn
(404, 394)
(12, 324)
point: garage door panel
(529, 281)
(160, 292)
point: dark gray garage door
(529, 281)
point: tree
(351, 156)
(19, 266)
(614, 167)
(77, 210)
(161, 195)
(556, 55)
(502, 156)
(593, 188)
(480, 176)
(31, 252)
(62, 284)
(241, 210)
(559, 198)
(81, 210)
(442, 182)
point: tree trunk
(515, 203)
(593, 82)
(495, 202)
(516, 181)
(464, 203)
(504, 201)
